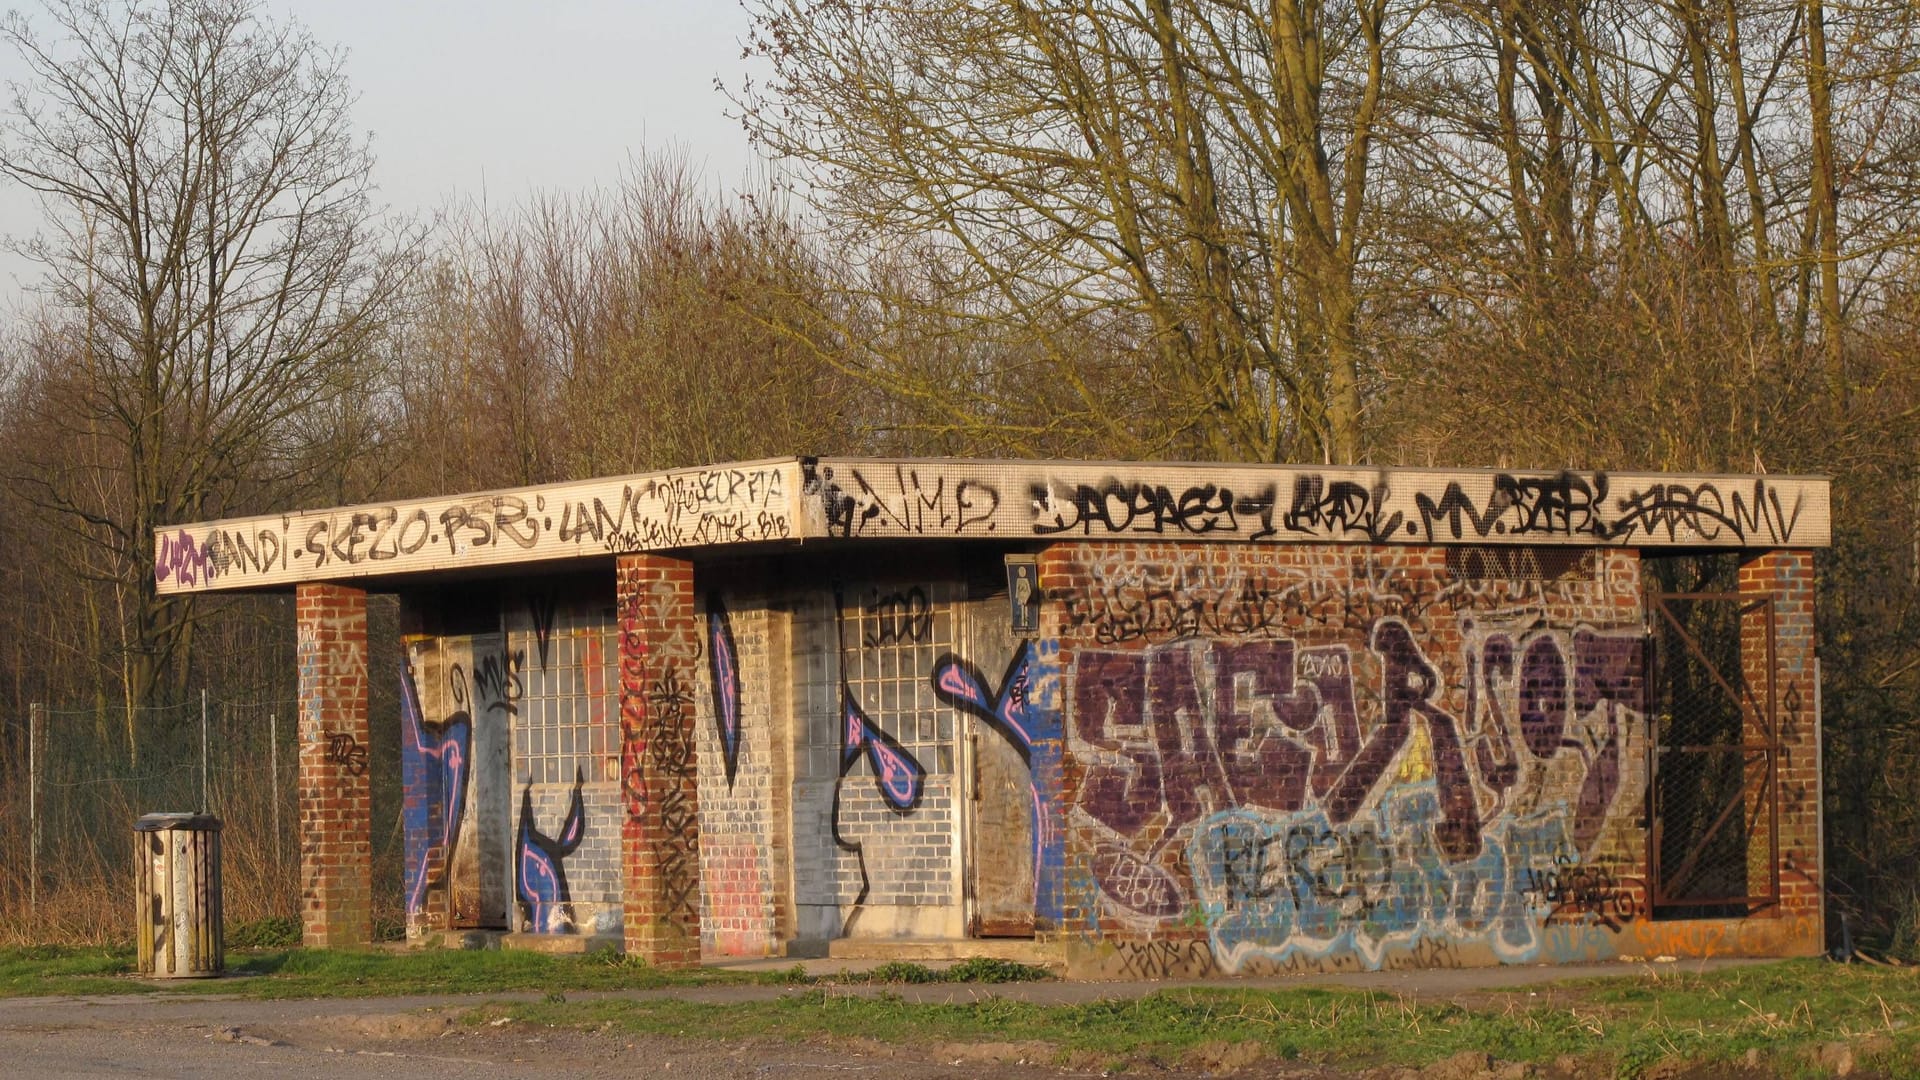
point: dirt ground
(390, 1038)
(422, 1038)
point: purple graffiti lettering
(1120, 786)
(724, 667)
(895, 770)
(1608, 669)
(184, 560)
(1543, 697)
(1263, 767)
(1492, 747)
(433, 763)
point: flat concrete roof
(787, 501)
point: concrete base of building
(1018, 950)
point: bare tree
(640, 326)
(1200, 171)
(215, 274)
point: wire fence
(74, 780)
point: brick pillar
(1066, 583)
(660, 838)
(336, 801)
(1047, 689)
(1787, 577)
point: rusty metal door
(1715, 752)
(1000, 811)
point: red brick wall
(1314, 757)
(1321, 757)
(660, 837)
(1787, 577)
(336, 810)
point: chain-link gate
(1715, 754)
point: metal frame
(1757, 712)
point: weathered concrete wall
(770, 501)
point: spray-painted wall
(875, 791)
(924, 785)
(1347, 757)
(510, 758)
(458, 695)
(1210, 760)
(740, 761)
(566, 763)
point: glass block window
(568, 711)
(888, 639)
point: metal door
(1715, 753)
(999, 807)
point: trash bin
(176, 868)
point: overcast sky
(497, 98)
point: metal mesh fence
(79, 777)
(1714, 798)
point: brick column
(1787, 577)
(1061, 587)
(660, 838)
(336, 801)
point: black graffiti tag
(347, 752)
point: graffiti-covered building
(1161, 719)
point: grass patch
(977, 969)
(321, 973)
(1784, 1011)
(65, 969)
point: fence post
(33, 810)
(204, 805)
(273, 767)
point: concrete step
(920, 950)
(560, 944)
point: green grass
(978, 969)
(60, 969)
(302, 973)
(1782, 1010)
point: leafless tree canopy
(214, 276)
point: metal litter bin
(176, 869)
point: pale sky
(487, 97)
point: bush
(272, 932)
